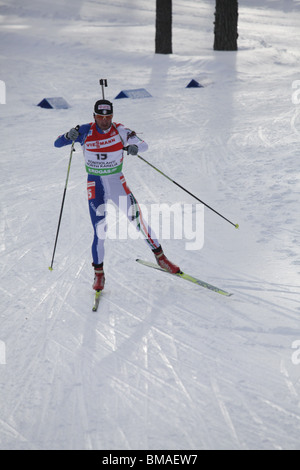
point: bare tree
(163, 36)
(226, 25)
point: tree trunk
(226, 25)
(163, 36)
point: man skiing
(103, 143)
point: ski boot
(163, 261)
(99, 279)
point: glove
(72, 134)
(132, 149)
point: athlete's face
(104, 122)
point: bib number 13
(101, 156)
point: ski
(96, 300)
(187, 277)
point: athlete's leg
(135, 215)
(127, 202)
(97, 203)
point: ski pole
(184, 189)
(63, 201)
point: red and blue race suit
(104, 155)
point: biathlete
(103, 143)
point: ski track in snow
(163, 364)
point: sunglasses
(103, 115)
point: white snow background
(163, 364)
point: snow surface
(163, 364)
